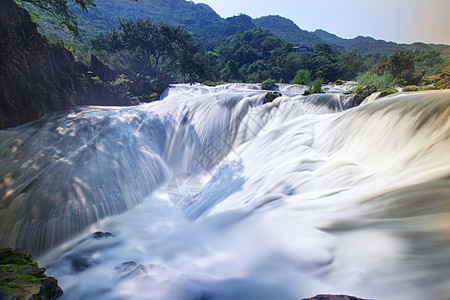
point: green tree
(161, 48)
(302, 77)
(60, 11)
(400, 65)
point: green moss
(412, 88)
(429, 88)
(21, 277)
(213, 83)
(387, 92)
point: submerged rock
(21, 278)
(100, 234)
(334, 297)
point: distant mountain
(360, 43)
(208, 28)
(200, 20)
(287, 30)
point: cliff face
(35, 76)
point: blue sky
(401, 21)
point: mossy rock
(21, 278)
(272, 96)
(213, 83)
(364, 91)
(412, 88)
(387, 92)
(429, 88)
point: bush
(268, 84)
(302, 77)
(381, 82)
(316, 85)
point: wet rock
(334, 297)
(139, 272)
(125, 267)
(362, 92)
(100, 234)
(81, 263)
(21, 278)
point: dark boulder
(362, 92)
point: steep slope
(35, 76)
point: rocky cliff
(35, 76)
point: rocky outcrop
(21, 278)
(35, 76)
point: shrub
(381, 82)
(302, 77)
(268, 84)
(97, 80)
(270, 96)
(121, 79)
(316, 85)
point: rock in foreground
(21, 278)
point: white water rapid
(212, 194)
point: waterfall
(213, 194)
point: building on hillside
(301, 49)
(266, 52)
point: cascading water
(283, 200)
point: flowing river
(212, 194)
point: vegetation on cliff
(21, 278)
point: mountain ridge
(209, 28)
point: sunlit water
(211, 194)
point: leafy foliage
(302, 77)
(154, 48)
(381, 82)
(268, 84)
(60, 11)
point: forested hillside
(209, 29)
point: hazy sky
(401, 21)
